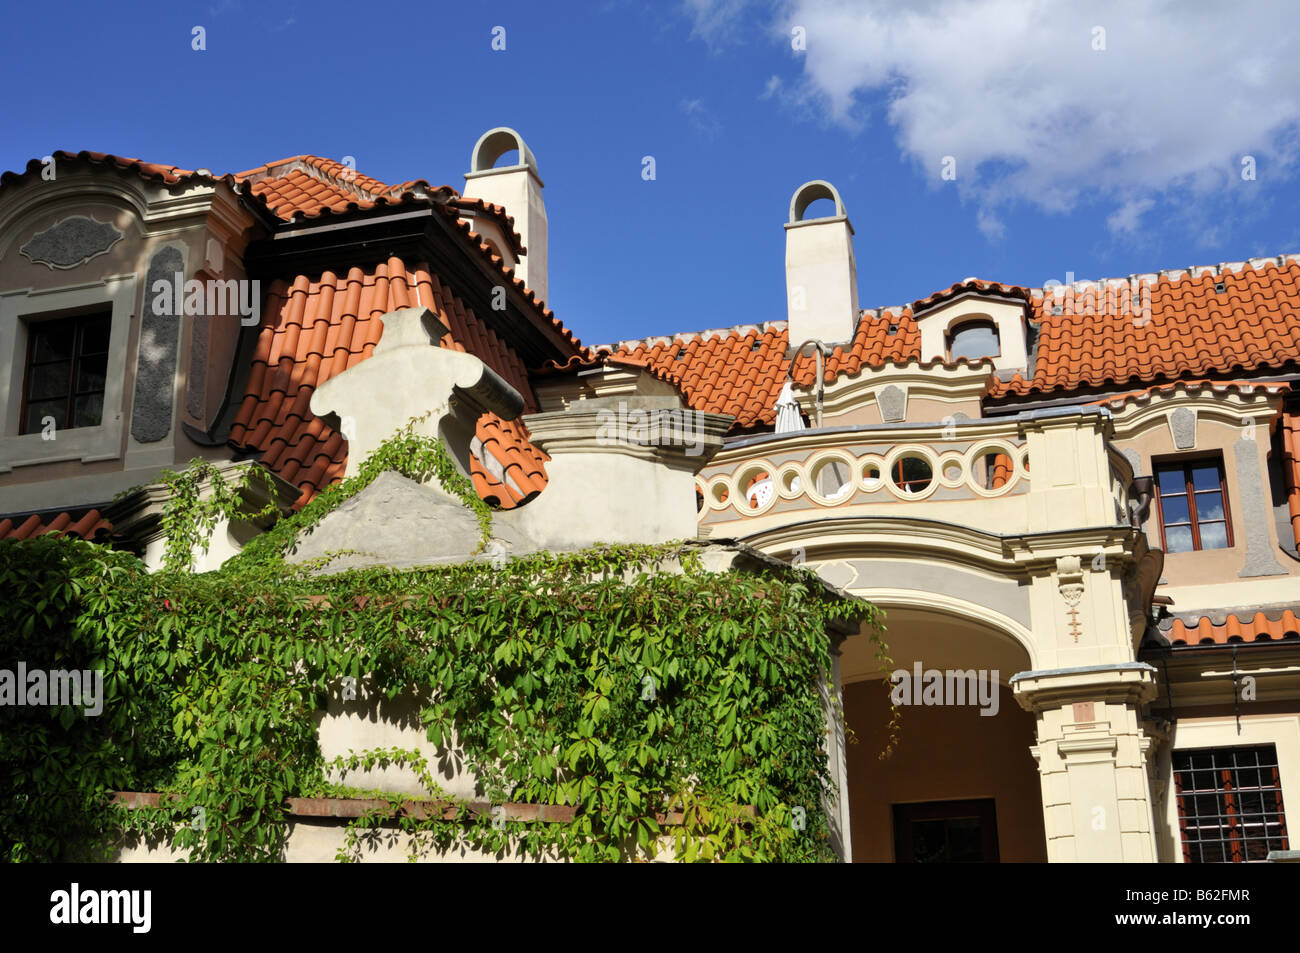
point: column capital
(1131, 683)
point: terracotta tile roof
(149, 171)
(993, 288)
(313, 330)
(87, 524)
(305, 187)
(1101, 339)
(1144, 395)
(497, 212)
(600, 357)
(1233, 628)
(741, 371)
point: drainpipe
(822, 351)
(1289, 469)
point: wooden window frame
(78, 323)
(1187, 464)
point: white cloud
(1033, 113)
(1127, 217)
(701, 119)
(990, 225)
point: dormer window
(976, 325)
(974, 340)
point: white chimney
(821, 276)
(519, 189)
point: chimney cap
(495, 143)
(810, 192)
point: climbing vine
(668, 706)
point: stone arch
(917, 565)
(810, 192)
(495, 143)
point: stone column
(1092, 758)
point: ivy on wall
(627, 682)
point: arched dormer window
(973, 340)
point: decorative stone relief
(71, 242)
(1256, 512)
(1182, 423)
(893, 404)
(1069, 578)
(155, 373)
(838, 574)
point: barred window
(1229, 804)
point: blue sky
(1101, 154)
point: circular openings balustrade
(833, 479)
(911, 474)
(871, 475)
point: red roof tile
(1101, 339)
(87, 524)
(313, 330)
(1258, 628)
(149, 171)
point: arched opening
(818, 194)
(961, 784)
(973, 340)
(507, 159)
(500, 148)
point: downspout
(1291, 470)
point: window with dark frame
(67, 362)
(974, 340)
(1193, 499)
(946, 832)
(1229, 804)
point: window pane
(1214, 536)
(1235, 820)
(973, 341)
(90, 374)
(929, 842)
(1171, 481)
(51, 342)
(1209, 506)
(36, 412)
(1205, 477)
(94, 336)
(88, 410)
(48, 380)
(1178, 539)
(1175, 510)
(965, 840)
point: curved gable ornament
(71, 242)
